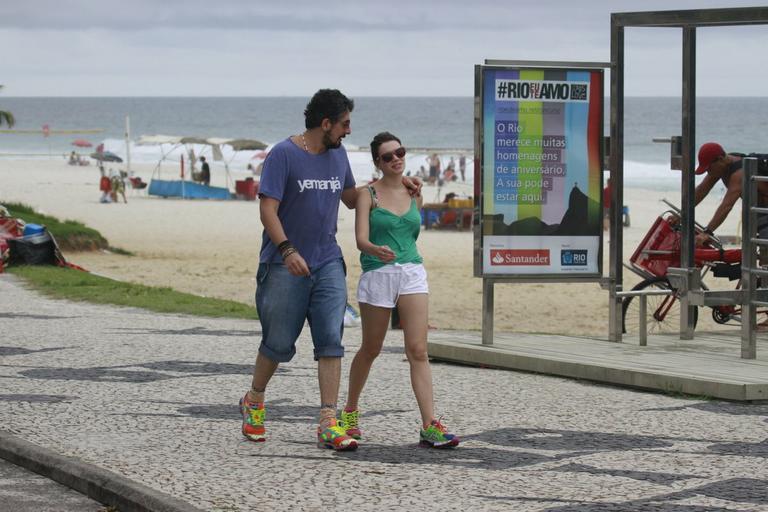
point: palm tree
(6, 117)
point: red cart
(659, 250)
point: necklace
(304, 141)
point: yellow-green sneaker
(336, 438)
(350, 422)
(437, 436)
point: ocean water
(737, 123)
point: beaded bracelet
(288, 252)
(286, 248)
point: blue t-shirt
(309, 189)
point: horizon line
(4, 97)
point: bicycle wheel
(662, 311)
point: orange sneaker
(253, 420)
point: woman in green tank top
(387, 224)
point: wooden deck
(709, 365)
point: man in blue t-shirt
(301, 273)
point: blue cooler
(33, 229)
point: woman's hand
(383, 252)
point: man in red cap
(725, 167)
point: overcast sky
(385, 48)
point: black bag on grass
(38, 249)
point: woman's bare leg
(414, 313)
(375, 321)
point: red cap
(708, 153)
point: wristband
(286, 248)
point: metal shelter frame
(688, 21)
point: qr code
(579, 92)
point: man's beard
(328, 143)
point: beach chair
(138, 186)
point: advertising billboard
(540, 172)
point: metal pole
(128, 145)
(643, 320)
(479, 161)
(487, 311)
(688, 192)
(748, 260)
(615, 271)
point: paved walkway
(154, 398)
(24, 491)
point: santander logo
(520, 257)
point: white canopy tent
(214, 143)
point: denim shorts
(384, 286)
(285, 301)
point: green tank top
(399, 232)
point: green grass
(69, 234)
(65, 283)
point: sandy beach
(211, 248)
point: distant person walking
(387, 224)
(462, 166)
(434, 168)
(205, 172)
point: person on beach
(726, 167)
(117, 185)
(387, 224)
(205, 172)
(463, 166)
(105, 185)
(450, 170)
(434, 168)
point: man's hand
(413, 184)
(384, 253)
(296, 265)
(702, 239)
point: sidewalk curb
(99, 484)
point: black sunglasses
(388, 157)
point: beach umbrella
(193, 140)
(81, 143)
(106, 156)
(246, 144)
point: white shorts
(383, 286)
